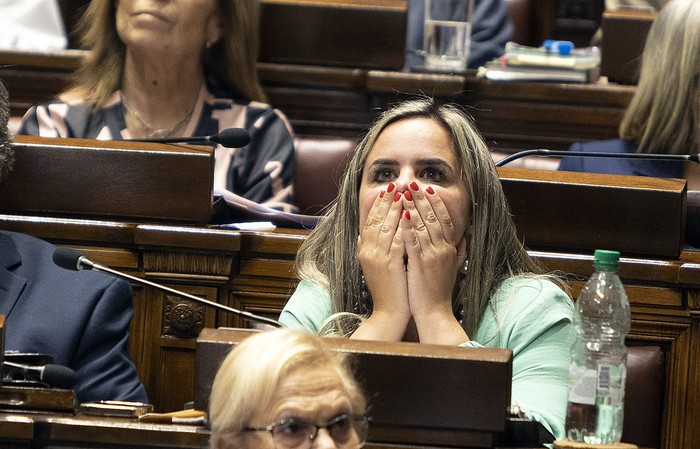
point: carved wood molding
(182, 318)
(676, 339)
(186, 262)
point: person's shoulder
(311, 288)
(534, 292)
(27, 243)
(37, 255)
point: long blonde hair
(327, 257)
(660, 117)
(231, 62)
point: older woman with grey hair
(285, 389)
(420, 246)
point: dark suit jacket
(618, 166)
(81, 318)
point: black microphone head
(232, 138)
(58, 376)
(67, 258)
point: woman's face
(420, 150)
(314, 397)
(172, 26)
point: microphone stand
(549, 153)
(85, 262)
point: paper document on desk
(240, 210)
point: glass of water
(446, 34)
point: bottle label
(611, 381)
(582, 384)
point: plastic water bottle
(598, 369)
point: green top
(531, 316)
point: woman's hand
(380, 252)
(434, 256)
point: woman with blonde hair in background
(177, 68)
(663, 116)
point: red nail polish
(408, 195)
(391, 187)
(381, 194)
(407, 215)
(430, 190)
(414, 186)
(397, 196)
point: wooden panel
(81, 177)
(663, 292)
(319, 31)
(585, 211)
(448, 405)
(625, 33)
(168, 354)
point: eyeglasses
(347, 431)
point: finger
(378, 214)
(435, 214)
(419, 234)
(390, 228)
(409, 236)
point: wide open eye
(382, 175)
(433, 174)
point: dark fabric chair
(320, 163)
(644, 396)
(521, 13)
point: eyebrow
(432, 162)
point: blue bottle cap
(563, 48)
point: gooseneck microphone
(557, 153)
(58, 376)
(71, 259)
(228, 138)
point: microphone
(58, 376)
(549, 153)
(72, 259)
(227, 138)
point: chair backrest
(320, 164)
(520, 13)
(644, 396)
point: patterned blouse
(262, 171)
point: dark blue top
(618, 166)
(491, 30)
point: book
(500, 72)
(546, 56)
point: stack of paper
(550, 63)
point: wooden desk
(253, 271)
(342, 101)
(23, 430)
(47, 431)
